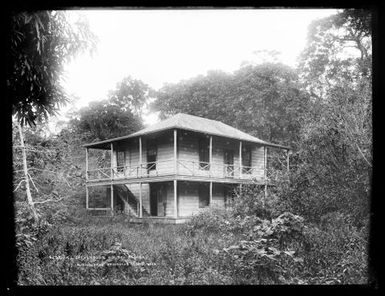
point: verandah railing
(184, 167)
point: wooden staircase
(129, 200)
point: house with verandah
(170, 171)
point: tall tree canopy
(131, 94)
(334, 158)
(118, 115)
(39, 45)
(264, 100)
(338, 50)
(102, 120)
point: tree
(39, 44)
(338, 48)
(332, 167)
(118, 115)
(103, 120)
(131, 95)
(264, 100)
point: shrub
(336, 255)
(263, 258)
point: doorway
(158, 199)
(153, 200)
(229, 163)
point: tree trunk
(25, 168)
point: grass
(173, 254)
(160, 254)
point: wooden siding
(218, 196)
(165, 198)
(188, 198)
(257, 161)
(170, 200)
(165, 154)
(188, 157)
(219, 146)
(134, 188)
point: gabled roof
(192, 123)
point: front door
(229, 163)
(153, 200)
(152, 152)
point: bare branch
(48, 200)
(27, 147)
(17, 187)
(33, 183)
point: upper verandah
(190, 123)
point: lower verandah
(158, 199)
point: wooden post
(140, 157)
(175, 152)
(265, 172)
(112, 167)
(140, 201)
(240, 159)
(112, 199)
(210, 155)
(87, 198)
(211, 193)
(86, 164)
(175, 199)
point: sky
(160, 46)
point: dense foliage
(264, 100)
(311, 228)
(103, 120)
(39, 45)
(118, 115)
(217, 247)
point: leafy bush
(337, 255)
(263, 258)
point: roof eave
(137, 134)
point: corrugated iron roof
(193, 123)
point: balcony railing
(184, 167)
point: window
(228, 193)
(120, 160)
(151, 156)
(204, 154)
(204, 195)
(229, 162)
(246, 160)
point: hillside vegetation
(313, 226)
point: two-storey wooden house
(169, 171)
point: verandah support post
(140, 201)
(112, 199)
(112, 167)
(211, 193)
(265, 172)
(140, 157)
(240, 159)
(175, 152)
(86, 164)
(112, 176)
(210, 155)
(175, 199)
(87, 198)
